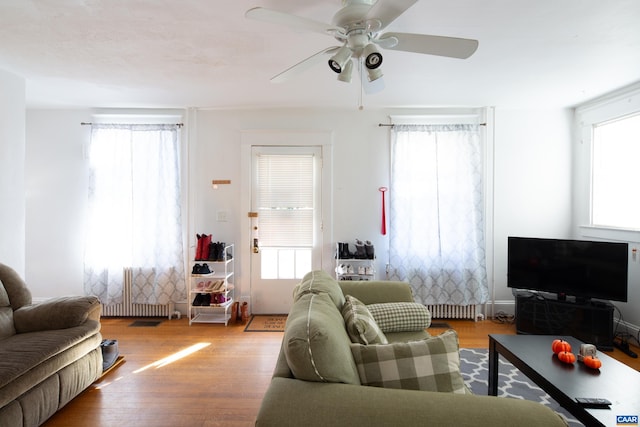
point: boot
(212, 251)
(360, 251)
(234, 312)
(369, 249)
(198, 254)
(244, 312)
(220, 252)
(204, 240)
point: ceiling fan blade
(451, 47)
(303, 65)
(386, 11)
(289, 20)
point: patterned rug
(511, 382)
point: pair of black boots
(364, 250)
(216, 251)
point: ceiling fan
(357, 26)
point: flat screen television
(578, 268)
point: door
(286, 222)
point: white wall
(360, 165)
(532, 190)
(532, 181)
(12, 164)
(56, 180)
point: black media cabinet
(590, 321)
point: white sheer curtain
(437, 213)
(134, 216)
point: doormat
(145, 323)
(266, 323)
(440, 325)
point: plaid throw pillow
(432, 364)
(360, 325)
(400, 316)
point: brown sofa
(49, 352)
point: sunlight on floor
(176, 356)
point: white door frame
(249, 138)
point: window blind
(285, 200)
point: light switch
(222, 216)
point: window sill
(609, 233)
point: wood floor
(217, 376)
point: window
(436, 238)
(285, 202)
(616, 150)
(134, 219)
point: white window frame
(628, 184)
(607, 108)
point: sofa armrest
(377, 291)
(291, 402)
(57, 313)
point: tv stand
(589, 321)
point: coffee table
(532, 355)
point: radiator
(445, 311)
(129, 309)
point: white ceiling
(205, 53)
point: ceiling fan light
(374, 74)
(372, 57)
(338, 61)
(345, 75)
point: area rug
(145, 323)
(511, 382)
(439, 325)
(266, 323)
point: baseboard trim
(499, 306)
(621, 326)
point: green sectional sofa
(49, 352)
(317, 381)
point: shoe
(206, 299)
(205, 240)
(360, 251)
(244, 312)
(204, 269)
(361, 269)
(202, 247)
(210, 285)
(343, 249)
(197, 301)
(110, 353)
(201, 286)
(369, 250)
(220, 251)
(235, 309)
(198, 247)
(196, 269)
